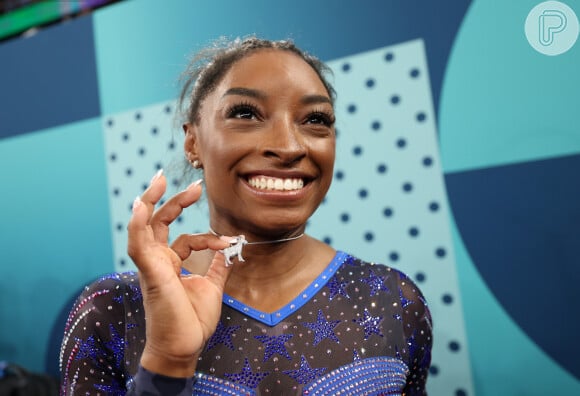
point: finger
(184, 244)
(139, 235)
(155, 191)
(218, 273)
(172, 208)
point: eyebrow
(254, 93)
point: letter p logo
(551, 28)
(550, 23)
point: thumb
(218, 272)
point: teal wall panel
(54, 233)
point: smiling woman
(290, 316)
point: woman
(265, 309)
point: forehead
(272, 67)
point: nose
(284, 141)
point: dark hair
(209, 65)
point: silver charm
(234, 250)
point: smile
(274, 183)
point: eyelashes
(243, 110)
(249, 111)
(321, 117)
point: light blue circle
(551, 28)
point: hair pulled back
(208, 67)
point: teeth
(274, 183)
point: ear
(190, 143)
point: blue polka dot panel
(138, 143)
(387, 202)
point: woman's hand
(181, 312)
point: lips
(275, 183)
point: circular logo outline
(552, 28)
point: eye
(243, 111)
(320, 118)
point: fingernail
(136, 203)
(195, 183)
(157, 175)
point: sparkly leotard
(359, 328)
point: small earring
(196, 164)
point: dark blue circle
(381, 168)
(339, 174)
(369, 236)
(176, 182)
(370, 83)
(110, 122)
(387, 212)
(128, 171)
(158, 166)
(376, 125)
(460, 392)
(433, 370)
(454, 346)
(447, 298)
(427, 161)
(168, 109)
(401, 143)
(395, 99)
(357, 150)
(345, 217)
(433, 206)
(171, 145)
(363, 193)
(161, 201)
(413, 231)
(440, 252)
(327, 240)
(179, 219)
(113, 157)
(141, 151)
(144, 186)
(407, 187)
(122, 262)
(125, 136)
(351, 108)
(420, 277)
(394, 256)
(119, 227)
(389, 56)
(414, 73)
(154, 131)
(421, 117)
(346, 67)
(116, 191)
(137, 116)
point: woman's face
(266, 140)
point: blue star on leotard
(87, 349)
(222, 335)
(337, 288)
(274, 345)
(116, 345)
(375, 282)
(322, 328)
(246, 377)
(305, 374)
(371, 324)
(404, 302)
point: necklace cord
(262, 242)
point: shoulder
(393, 279)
